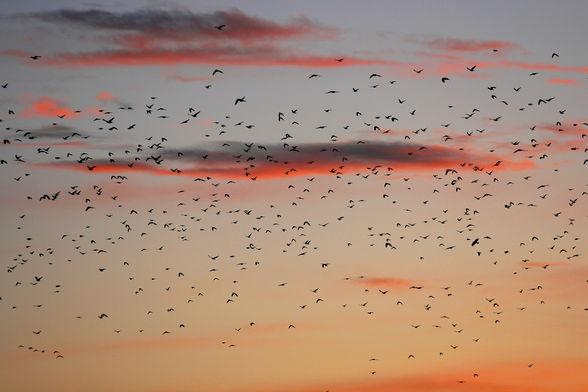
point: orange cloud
(564, 129)
(456, 65)
(106, 96)
(549, 376)
(393, 283)
(265, 56)
(569, 82)
(459, 68)
(468, 45)
(264, 171)
(48, 107)
(535, 66)
(179, 78)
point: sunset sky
(294, 196)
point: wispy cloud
(187, 79)
(569, 82)
(207, 54)
(383, 282)
(468, 45)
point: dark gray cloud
(336, 152)
(238, 160)
(170, 37)
(57, 131)
(182, 24)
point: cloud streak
(382, 282)
(468, 45)
(241, 161)
(551, 376)
(569, 82)
(208, 54)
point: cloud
(47, 107)
(51, 132)
(68, 145)
(106, 96)
(507, 64)
(456, 63)
(103, 166)
(459, 68)
(565, 129)
(187, 79)
(184, 25)
(537, 66)
(235, 160)
(206, 54)
(351, 153)
(171, 37)
(569, 82)
(468, 45)
(52, 108)
(392, 283)
(512, 376)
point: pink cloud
(569, 82)
(106, 96)
(48, 107)
(393, 283)
(180, 78)
(468, 45)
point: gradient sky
(397, 204)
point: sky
(307, 196)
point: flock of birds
(210, 205)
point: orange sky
(238, 197)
